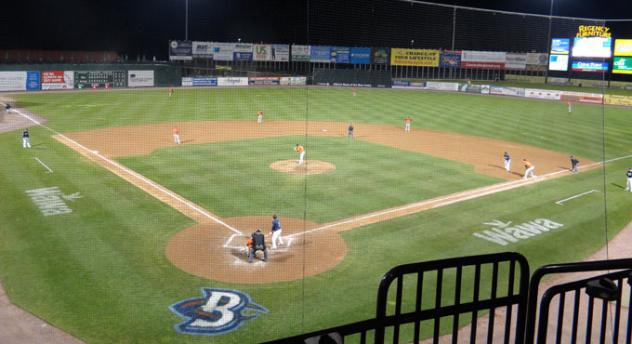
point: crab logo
(220, 311)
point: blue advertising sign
(33, 82)
(450, 59)
(320, 53)
(560, 46)
(242, 56)
(361, 55)
(204, 81)
(341, 54)
(589, 66)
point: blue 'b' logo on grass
(220, 311)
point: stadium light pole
(186, 20)
(548, 42)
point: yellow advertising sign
(593, 31)
(415, 57)
(623, 47)
(618, 100)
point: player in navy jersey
(628, 186)
(507, 161)
(276, 232)
(26, 139)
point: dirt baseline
(211, 250)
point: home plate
(323, 129)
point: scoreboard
(100, 79)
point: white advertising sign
(301, 52)
(202, 49)
(140, 78)
(223, 51)
(483, 56)
(280, 52)
(262, 52)
(542, 94)
(237, 81)
(538, 59)
(442, 86)
(516, 61)
(12, 81)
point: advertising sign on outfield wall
(202, 50)
(582, 97)
(361, 55)
(187, 81)
(483, 59)
(263, 81)
(611, 99)
(280, 52)
(242, 52)
(262, 52)
(204, 81)
(516, 61)
(450, 59)
(58, 80)
(542, 94)
(293, 81)
(320, 53)
(507, 91)
(33, 81)
(236, 81)
(223, 51)
(180, 50)
(140, 78)
(301, 53)
(442, 86)
(539, 59)
(341, 54)
(415, 57)
(381, 55)
(12, 81)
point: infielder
(628, 186)
(176, 135)
(26, 139)
(259, 117)
(276, 232)
(301, 153)
(350, 131)
(574, 164)
(529, 169)
(507, 161)
(407, 123)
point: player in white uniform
(529, 169)
(26, 139)
(301, 153)
(507, 161)
(628, 186)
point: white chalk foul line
(43, 164)
(150, 182)
(575, 196)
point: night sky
(145, 26)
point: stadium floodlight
(186, 20)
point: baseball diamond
(174, 218)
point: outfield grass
(100, 273)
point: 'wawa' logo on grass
(51, 201)
(503, 233)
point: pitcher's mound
(307, 168)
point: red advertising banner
(57, 80)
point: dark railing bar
(604, 319)
(589, 318)
(418, 295)
(490, 324)
(617, 311)
(575, 324)
(437, 318)
(560, 318)
(398, 307)
(457, 302)
(477, 281)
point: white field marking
(230, 239)
(573, 197)
(43, 164)
(159, 187)
(455, 198)
(289, 242)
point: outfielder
(407, 123)
(628, 186)
(26, 139)
(529, 169)
(350, 131)
(570, 107)
(259, 117)
(301, 153)
(507, 161)
(276, 232)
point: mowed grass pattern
(234, 178)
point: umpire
(258, 244)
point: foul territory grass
(235, 178)
(100, 273)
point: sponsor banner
(180, 50)
(341, 54)
(242, 52)
(202, 49)
(589, 66)
(234, 81)
(592, 47)
(301, 53)
(483, 59)
(623, 47)
(622, 65)
(320, 53)
(381, 55)
(442, 86)
(58, 80)
(516, 61)
(558, 81)
(361, 55)
(582, 97)
(507, 91)
(262, 52)
(12, 81)
(293, 81)
(507, 232)
(264, 81)
(100, 79)
(560, 46)
(537, 59)
(542, 94)
(204, 81)
(187, 82)
(450, 59)
(472, 88)
(558, 62)
(280, 52)
(33, 81)
(223, 51)
(140, 78)
(415, 57)
(525, 78)
(415, 85)
(611, 99)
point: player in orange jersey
(176, 135)
(301, 153)
(529, 169)
(259, 117)
(407, 123)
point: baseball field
(113, 233)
